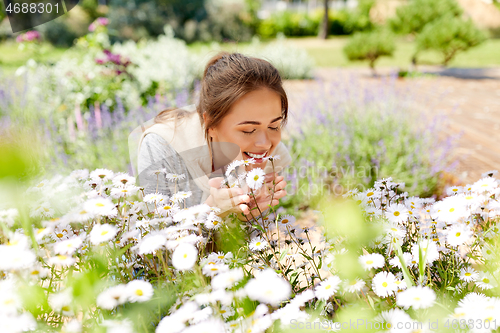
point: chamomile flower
(286, 221)
(458, 234)
(372, 260)
(454, 190)
(175, 177)
(486, 184)
(102, 233)
(214, 269)
(181, 195)
(139, 291)
(155, 198)
(227, 279)
(123, 179)
(124, 191)
(468, 274)
(327, 288)
(100, 206)
(255, 178)
(395, 262)
(354, 286)
(61, 301)
(383, 284)
(68, 246)
(112, 297)
(62, 260)
(267, 287)
(101, 175)
(485, 281)
(416, 297)
(213, 222)
(397, 213)
(451, 209)
(8, 216)
(429, 251)
(184, 256)
(232, 166)
(151, 243)
(258, 244)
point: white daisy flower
(179, 196)
(258, 244)
(458, 234)
(151, 243)
(112, 297)
(397, 213)
(486, 184)
(490, 173)
(118, 326)
(15, 258)
(124, 191)
(81, 174)
(100, 206)
(68, 246)
(9, 216)
(383, 284)
(214, 269)
(401, 284)
(155, 198)
(101, 175)
(102, 233)
(286, 221)
(267, 287)
(485, 281)
(395, 262)
(394, 317)
(213, 222)
(452, 190)
(168, 209)
(416, 297)
(227, 279)
(61, 301)
(451, 209)
(354, 286)
(62, 260)
(174, 177)
(184, 256)
(372, 260)
(487, 252)
(325, 289)
(232, 166)
(122, 178)
(255, 178)
(429, 248)
(139, 291)
(468, 274)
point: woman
(242, 108)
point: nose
(263, 141)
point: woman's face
(254, 124)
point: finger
(244, 209)
(270, 176)
(215, 182)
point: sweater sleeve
(154, 154)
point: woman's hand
(265, 193)
(228, 200)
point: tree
(370, 46)
(413, 17)
(324, 28)
(450, 35)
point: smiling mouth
(256, 156)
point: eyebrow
(251, 122)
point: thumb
(215, 182)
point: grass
(11, 57)
(326, 53)
(329, 54)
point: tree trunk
(323, 31)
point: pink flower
(29, 36)
(92, 27)
(103, 21)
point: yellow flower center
(139, 292)
(467, 274)
(452, 210)
(396, 213)
(369, 262)
(256, 177)
(99, 204)
(328, 287)
(384, 284)
(104, 232)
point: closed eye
(271, 128)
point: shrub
(450, 35)
(290, 24)
(414, 16)
(343, 136)
(370, 46)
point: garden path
(470, 97)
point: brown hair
(228, 77)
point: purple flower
(99, 61)
(92, 27)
